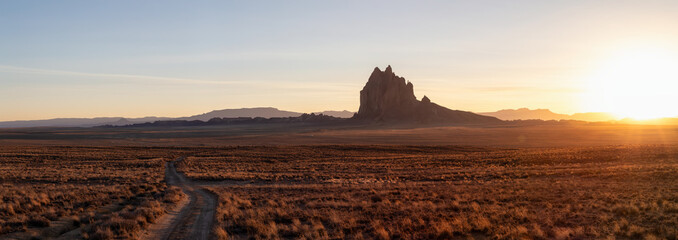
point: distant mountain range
(78, 122)
(545, 114)
(270, 112)
(264, 112)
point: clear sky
(177, 58)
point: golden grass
(396, 192)
(102, 190)
(352, 191)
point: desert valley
(215, 120)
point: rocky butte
(389, 98)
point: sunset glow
(338, 119)
(638, 82)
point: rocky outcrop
(389, 98)
(386, 96)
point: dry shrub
(480, 223)
(650, 236)
(318, 229)
(261, 229)
(7, 209)
(625, 210)
(634, 231)
(173, 195)
(518, 232)
(561, 233)
(38, 221)
(537, 232)
(75, 221)
(444, 230)
(379, 231)
(219, 233)
(101, 234)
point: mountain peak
(385, 94)
(389, 97)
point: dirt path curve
(195, 219)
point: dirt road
(194, 220)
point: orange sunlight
(637, 82)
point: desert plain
(548, 181)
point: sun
(639, 83)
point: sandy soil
(192, 218)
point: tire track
(195, 219)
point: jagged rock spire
(388, 97)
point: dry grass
(69, 187)
(351, 191)
(395, 192)
(127, 222)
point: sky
(179, 58)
